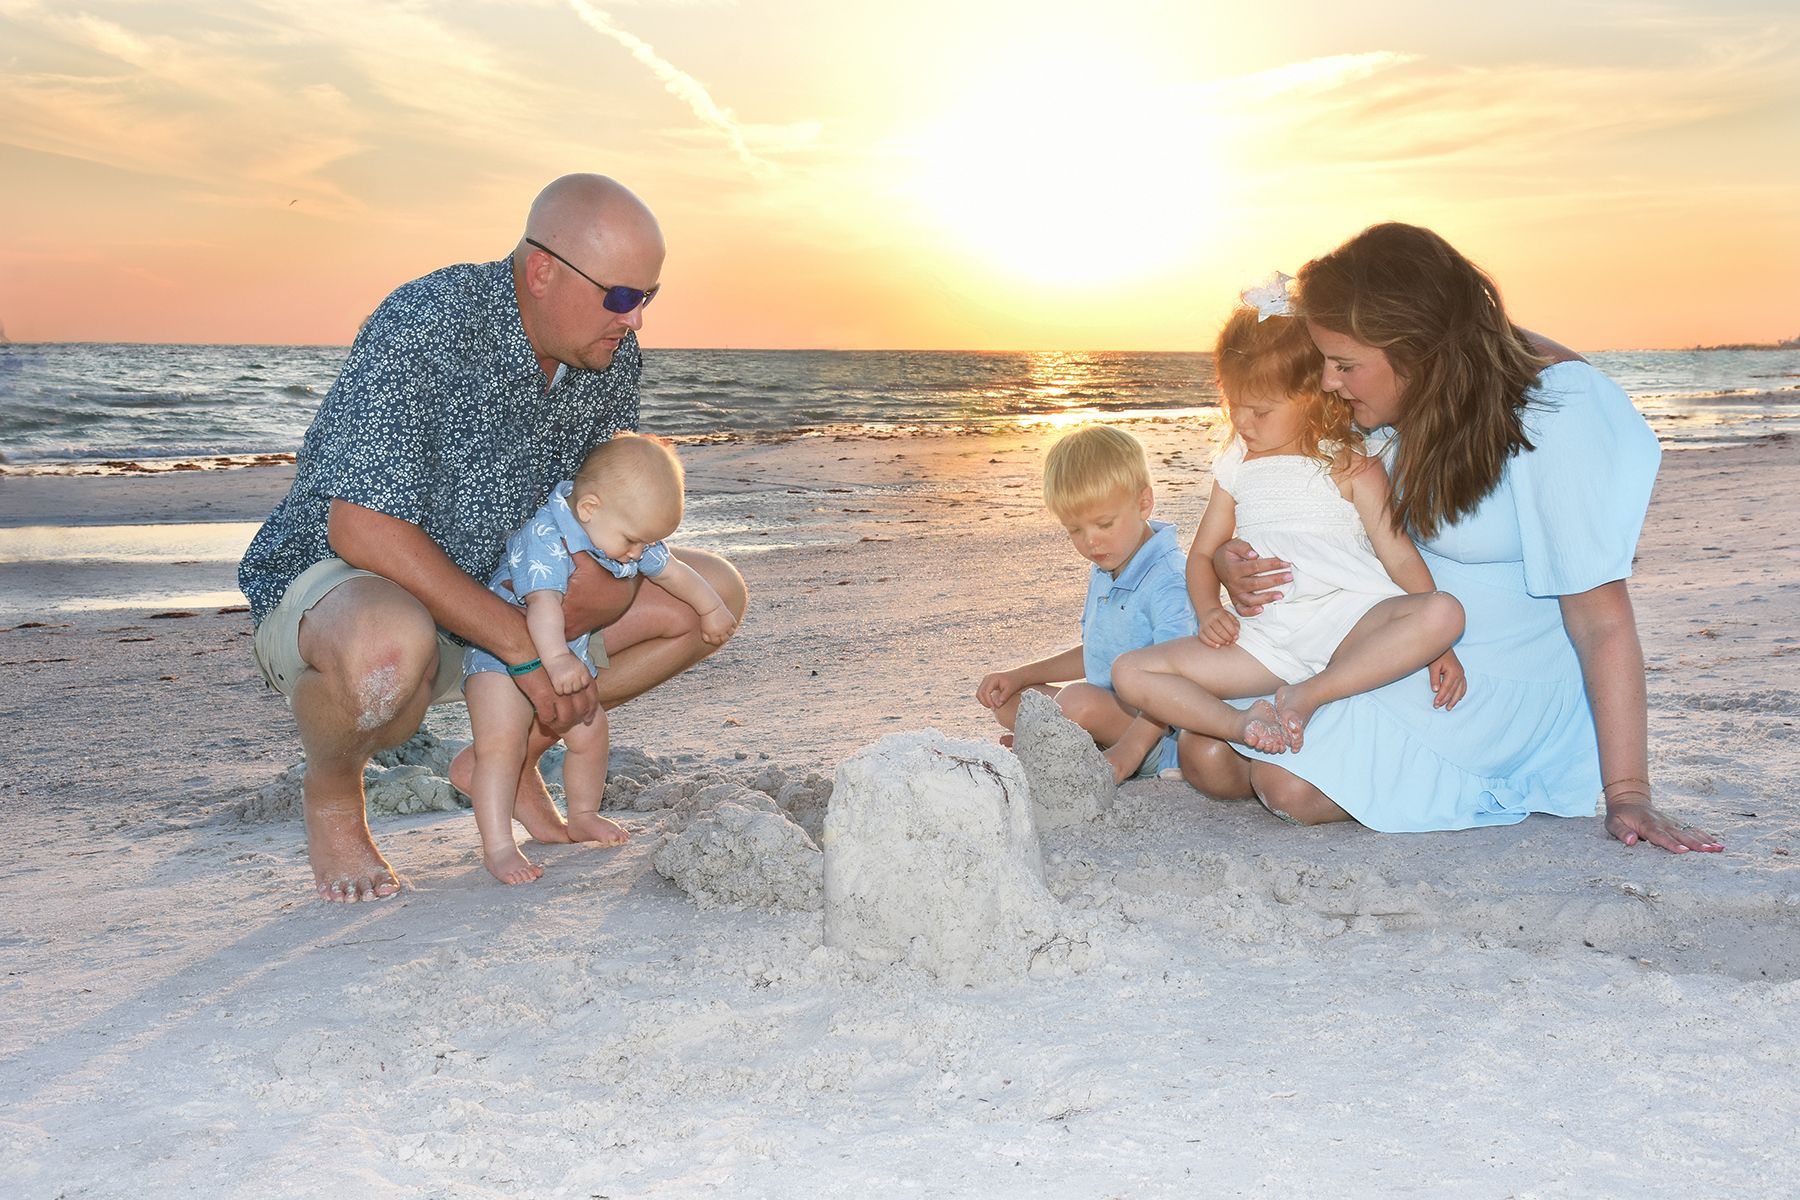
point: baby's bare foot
(532, 806)
(509, 866)
(1293, 711)
(592, 827)
(346, 865)
(1262, 729)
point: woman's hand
(1249, 580)
(1448, 683)
(1633, 818)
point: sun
(1070, 171)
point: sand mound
(410, 778)
(1071, 781)
(738, 855)
(931, 858)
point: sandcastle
(932, 859)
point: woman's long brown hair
(1463, 368)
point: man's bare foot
(509, 866)
(346, 865)
(1262, 729)
(592, 827)
(532, 806)
(1293, 710)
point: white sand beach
(1256, 1010)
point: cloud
(1389, 110)
(679, 84)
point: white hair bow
(1270, 298)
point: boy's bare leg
(650, 637)
(1109, 722)
(499, 717)
(1007, 714)
(1184, 683)
(372, 656)
(1393, 639)
(584, 784)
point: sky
(935, 174)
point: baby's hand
(1219, 627)
(1447, 681)
(717, 625)
(996, 688)
(567, 674)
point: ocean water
(77, 406)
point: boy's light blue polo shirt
(1146, 604)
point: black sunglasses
(619, 300)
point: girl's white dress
(1289, 508)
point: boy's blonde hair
(635, 467)
(1092, 465)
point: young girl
(1362, 610)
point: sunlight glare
(1072, 170)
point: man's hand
(557, 712)
(1448, 684)
(1218, 627)
(1250, 581)
(996, 688)
(596, 597)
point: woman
(1524, 474)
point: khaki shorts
(278, 637)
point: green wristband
(525, 668)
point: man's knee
(375, 644)
(718, 571)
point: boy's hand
(996, 689)
(567, 674)
(717, 625)
(1447, 681)
(1218, 627)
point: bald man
(466, 397)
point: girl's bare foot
(1293, 710)
(592, 827)
(509, 866)
(1263, 730)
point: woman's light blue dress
(1564, 519)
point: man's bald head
(590, 218)
(590, 231)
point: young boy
(1097, 483)
(624, 501)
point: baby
(1097, 483)
(622, 503)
